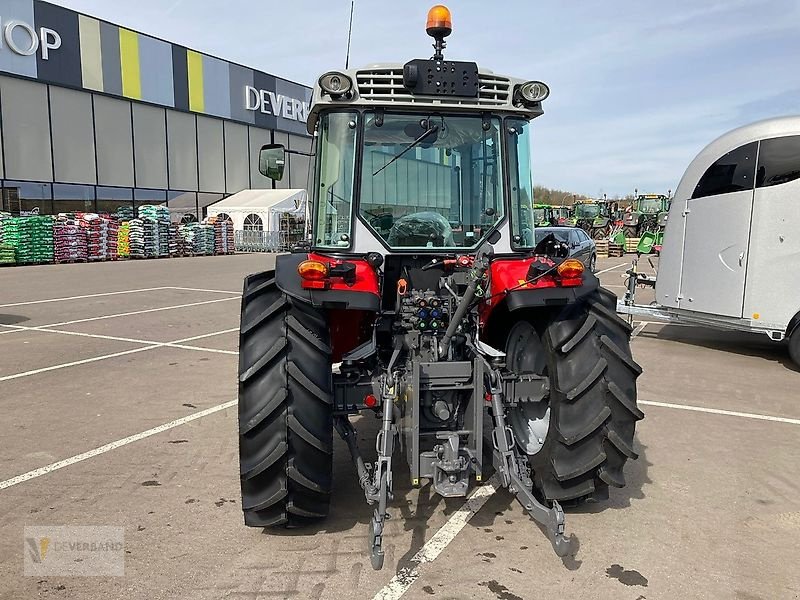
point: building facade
(94, 116)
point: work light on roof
(336, 84)
(533, 91)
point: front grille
(386, 85)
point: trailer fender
(363, 294)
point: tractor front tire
(285, 407)
(592, 404)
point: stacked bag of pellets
(8, 254)
(150, 230)
(187, 232)
(31, 238)
(125, 213)
(157, 233)
(204, 240)
(223, 236)
(136, 238)
(69, 239)
(123, 240)
(97, 238)
(112, 237)
(176, 243)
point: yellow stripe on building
(194, 63)
(91, 53)
(129, 59)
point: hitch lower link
(379, 491)
(515, 475)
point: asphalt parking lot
(117, 391)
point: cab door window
(734, 172)
(778, 161)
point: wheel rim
(525, 355)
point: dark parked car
(581, 246)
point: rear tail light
(312, 270)
(571, 272)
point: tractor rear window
(734, 172)
(431, 181)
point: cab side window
(778, 161)
(734, 172)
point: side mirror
(272, 160)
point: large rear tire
(794, 346)
(630, 232)
(285, 407)
(592, 406)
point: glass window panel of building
(115, 201)
(27, 198)
(182, 206)
(69, 198)
(206, 200)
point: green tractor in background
(646, 219)
(594, 217)
(544, 215)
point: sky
(638, 87)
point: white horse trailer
(731, 253)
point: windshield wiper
(413, 144)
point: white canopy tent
(260, 206)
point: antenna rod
(349, 35)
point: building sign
(272, 103)
(58, 46)
(20, 37)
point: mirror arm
(298, 152)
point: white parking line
(406, 577)
(112, 446)
(204, 290)
(152, 346)
(153, 289)
(611, 268)
(125, 314)
(114, 338)
(717, 411)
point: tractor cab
(425, 157)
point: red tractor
(421, 297)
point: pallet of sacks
(8, 254)
(136, 238)
(97, 238)
(123, 240)
(156, 224)
(31, 238)
(223, 236)
(177, 244)
(204, 240)
(69, 239)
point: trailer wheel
(285, 407)
(579, 446)
(794, 345)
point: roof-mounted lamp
(439, 26)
